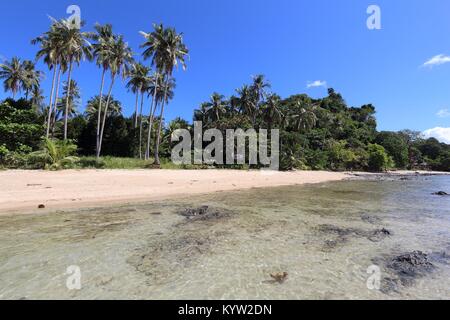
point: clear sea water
(318, 234)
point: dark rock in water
(411, 264)
(404, 270)
(204, 213)
(195, 212)
(379, 235)
(41, 206)
(279, 277)
(370, 219)
(441, 193)
(389, 285)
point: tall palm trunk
(66, 113)
(50, 106)
(151, 117)
(105, 115)
(55, 102)
(140, 125)
(158, 137)
(150, 126)
(136, 107)
(99, 112)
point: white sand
(23, 191)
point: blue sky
(292, 42)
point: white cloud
(443, 113)
(317, 83)
(437, 60)
(442, 134)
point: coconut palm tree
(75, 47)
(51, 54)
(161, 93)
(115, 107)
(13, 75)
(103, 52)
(32, 78)
(165, 48)
(120, 61)
(139, 80)
(303, 116)
(216, 107)
(271, 111)
(37, 97)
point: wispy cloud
(443, 113)
(437, 60)
(317, 83)
(441, 134)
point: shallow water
(322, 235)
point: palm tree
(74, 47)
(271, 111)
(72, 98)
(103, 51)
(115, 107)
(139, 80)
(246, 101)
(37, 97)
(13, 75)
(32, 77)
(161, 93)
(120, 60)
(165, 48)
(51, 54)
(216, 107)
(304, 116)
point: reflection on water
(324, 236)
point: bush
(54, 155)
(379, 160)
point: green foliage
(378, 160)
(395, 144)
(19, 125)
(55, 154)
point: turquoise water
(323, 236)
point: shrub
(379, 160)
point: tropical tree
(115, 107)
(271, 110)
(165, 48)
(303, 116)
(138, 82)
(13, 75)
(51, 54)
(103, 52)
(161, 93)
(75, 47)
(119, 65)
(216, 107)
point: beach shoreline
(22, 191)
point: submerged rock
(195, 212)
(279, 277)
(379, 235)
(370, 219)
(404, 270)
(411, 264)
(441, 193)
(205, 213)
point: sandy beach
(23, 191)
